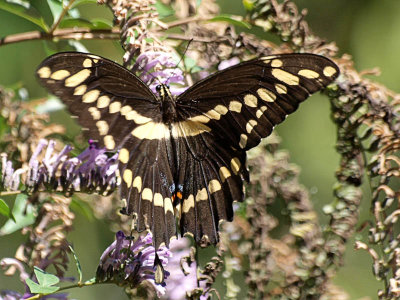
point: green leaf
(24, 215)
(231, 19)
(79, 206)
(78, 264)
(5, 210)
(248, 4)
(51, 47)
(80, 2)
(189, 62)
(38, 289)
(44, 278)
(78, 46)
(91, 280)
(56, 8)
(75, 22)
(163, 10)
(149, 40)
(101, 23)
(24, 10)
(196, 69)
(190, 65)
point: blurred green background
(366, 29)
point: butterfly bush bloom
(92, 170)
(128, 262)
(178, 284)
(13, 295)
(228, 63)
(157, 67)
(10, 295)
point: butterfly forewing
(243, 103)
(107, 99)
(193, 164)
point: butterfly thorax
(168, 105)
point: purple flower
(9, 178)
(157, 68)
(128, 262)
(10, 295)
(90, 171)
(178, 283)
(228, 63)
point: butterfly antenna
(183, 55)
(184, 52)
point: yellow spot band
(90, 96)
(285, 77)
(128, 177)
(235, 165)
(44, 72)
(77, 78)
(310, 74)
(266, 95)
(123, 156)
(224, 173)
(250, 100)
(59, 75)
(329, 71)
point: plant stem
(10, 193)
(62, 34)
(86, 283)
(61, 16)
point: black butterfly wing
(209, 179)
(147, 184)
(119, 111)
(103, 96)
(235, 109)
(243, 103)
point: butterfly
(183, 157)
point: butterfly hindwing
(210, 177)
(147, 186)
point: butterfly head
(163, 91)
(167, 102)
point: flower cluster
(156, 67)
(90, 171)
(128, 263)
(183, 277)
